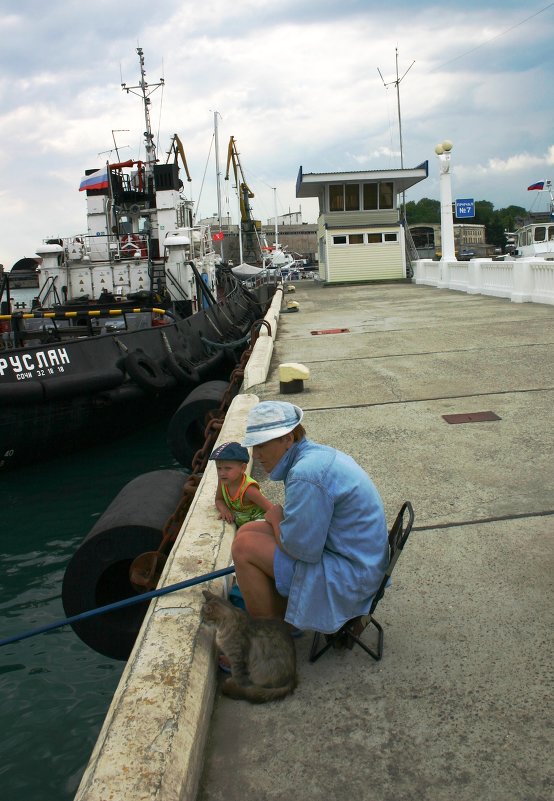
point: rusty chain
(146, 569)
(215, 420)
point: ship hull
(60, 396)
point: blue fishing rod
(137, 599)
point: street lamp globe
(447, 145)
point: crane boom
(249, 225)
(176, 147)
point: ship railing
(104, 247)
(21, 328)
(48, 294)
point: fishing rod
(137, 599)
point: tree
(496, 221)
(424, 211)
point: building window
(385, 195)
(352, 197)
(370, 197)
(369, 238)
(336, 197)
(378, 196)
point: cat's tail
(254, 693)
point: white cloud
(295, 83)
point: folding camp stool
(349, 634)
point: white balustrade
(520, 280)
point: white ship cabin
(536, 240)
(135, 213)
(360, 234)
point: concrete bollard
(292, 377)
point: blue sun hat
(269, 420)
(230, 452)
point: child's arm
(254, 495)
(224, 511)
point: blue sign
(465, 207)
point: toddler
(238, 498)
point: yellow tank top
(243, 510)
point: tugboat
(129, 318)
(535, 237)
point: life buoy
(145, 371)
(182, 368)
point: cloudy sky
(296, 82)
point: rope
(137, 599)
(218, 345)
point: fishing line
(137, 599)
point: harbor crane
(248, 225)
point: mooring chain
(211, 432)
(146, 569)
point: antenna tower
(397, 84)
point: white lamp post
(447, 224)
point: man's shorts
(283, 570)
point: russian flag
(538, 185)
(96, 180)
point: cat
(261, 652)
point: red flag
(538, 185)
(218, 237)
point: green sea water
(55, 690)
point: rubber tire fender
(182, 368)
(145, 371)
(185, 433)
(98, 572)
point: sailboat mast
(218, 177)
(276, 221)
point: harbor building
(469, 241)
(360, 234)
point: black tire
(98, 572)
(145, 371)
(185, 434)
(181, 368)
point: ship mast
(144, 91)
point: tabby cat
(260, 652)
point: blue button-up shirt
(334, 525)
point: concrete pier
(460, 705)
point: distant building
(469, 240)
(360, 234)
(292, 218)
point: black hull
(63, 396)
